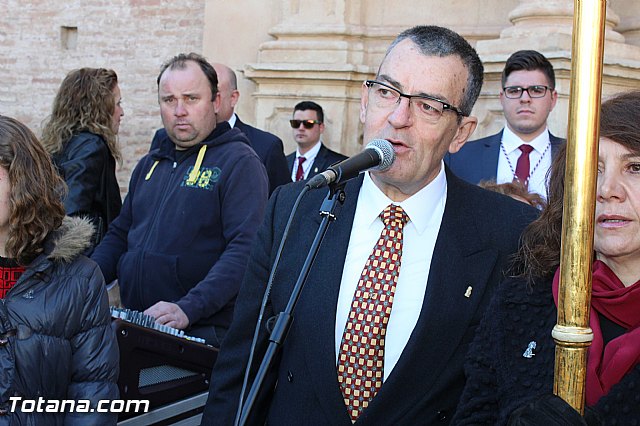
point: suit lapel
(556, 144)
(490, 156)
(319, 163)
(319, 306)
(290, 159)
(446, 312)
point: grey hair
(438, 41)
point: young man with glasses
(403, 275)
(312, 156)
(523, 150)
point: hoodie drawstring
(151, 170)
(195, 172)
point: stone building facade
(283, 51)
(42, 40)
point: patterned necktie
(300, 171)
(523, 165)
(361, 357)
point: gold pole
(572, 333)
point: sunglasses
(308, 124)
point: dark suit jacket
(270, 150)
(268, 147)
(479, 230)
(324, 159)
(478, 160)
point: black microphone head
(387, 154)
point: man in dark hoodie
(180, 246)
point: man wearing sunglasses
(312, 156)
(402, 278)
(524, 149)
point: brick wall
(133, 37)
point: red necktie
(523, 165)
(300, 171)
(361, 356)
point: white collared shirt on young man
(539, 160)
(310, 157)
(425, 210)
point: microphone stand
(283, 323)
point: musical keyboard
(159, 363)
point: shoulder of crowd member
(495, 208)
(476, 145)
(83, 142)
(262, 134)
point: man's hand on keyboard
(169, 314)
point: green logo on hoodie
(206, 178)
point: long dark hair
(539, 254)
(35, 201)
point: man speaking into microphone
(403, 275)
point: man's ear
(554, 99)
(465, 129)
(364, 101)
(235, 95)
(216, 103)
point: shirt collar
(312, 153)
(511, 141)
(232, 120)
(419, 207)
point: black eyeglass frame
(526, 89)
(307, 124)
(445, 106)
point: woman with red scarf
(510, 365)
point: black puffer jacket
(88, 168)
(63, 347)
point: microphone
(377, 155)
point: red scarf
(607, 365)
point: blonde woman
(80, 135)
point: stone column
(317, 55)
(629, 20)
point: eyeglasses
(308, 124)
(515, 92)
(428, 107)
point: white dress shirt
(425, 210)
(310, 158)
(539, 160)
(232, 120)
